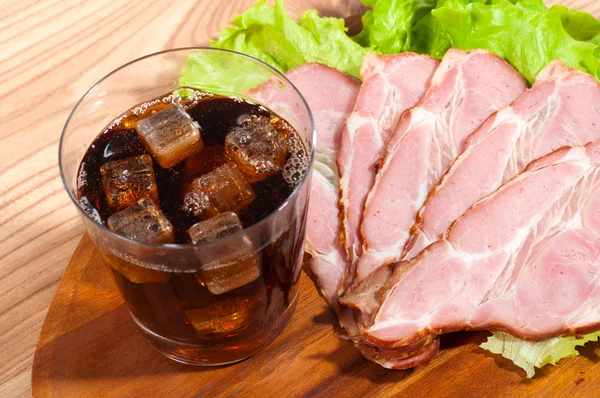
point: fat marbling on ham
(467, 88)
(561, 109)
(391, 84)
(523, 260)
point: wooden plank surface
(52, 52)
(89, 346)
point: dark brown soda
(216, 115)
(164, 305)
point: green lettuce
(525, 33)
(388, 26)
(529, 355)
(271, 35)
(212, 71)
(392, 27)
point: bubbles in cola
(297, 164)
(128, 180)
(256, 147)
(170, 135)
(89, 209)
(196, 202)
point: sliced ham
(391, 84)
(466, 89)
(561, 109)
(525, 260)
(331, 96)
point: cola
(192, 167)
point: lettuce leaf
(525, 33)
(395, 26)
(212, 71)
(271, 35)
(529, 355)
(388, 26)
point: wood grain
(90, 346)
(52, 52)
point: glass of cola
(195, 198)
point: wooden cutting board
(89, 346)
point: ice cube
(202, 163)
(170, 135)
(230, 272)
(256, 147)
(144, 222)
(128, 180)
(225, 188)
(215, 228)
(239, 266)
(224, 316)
(134, 270)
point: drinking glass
(159, 283)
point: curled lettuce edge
(529, 355)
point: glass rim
(179, 246)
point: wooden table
(52, 52)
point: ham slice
(524, 259)
(330, 95)
(391, 84)
(466, 89)
(561, 109)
